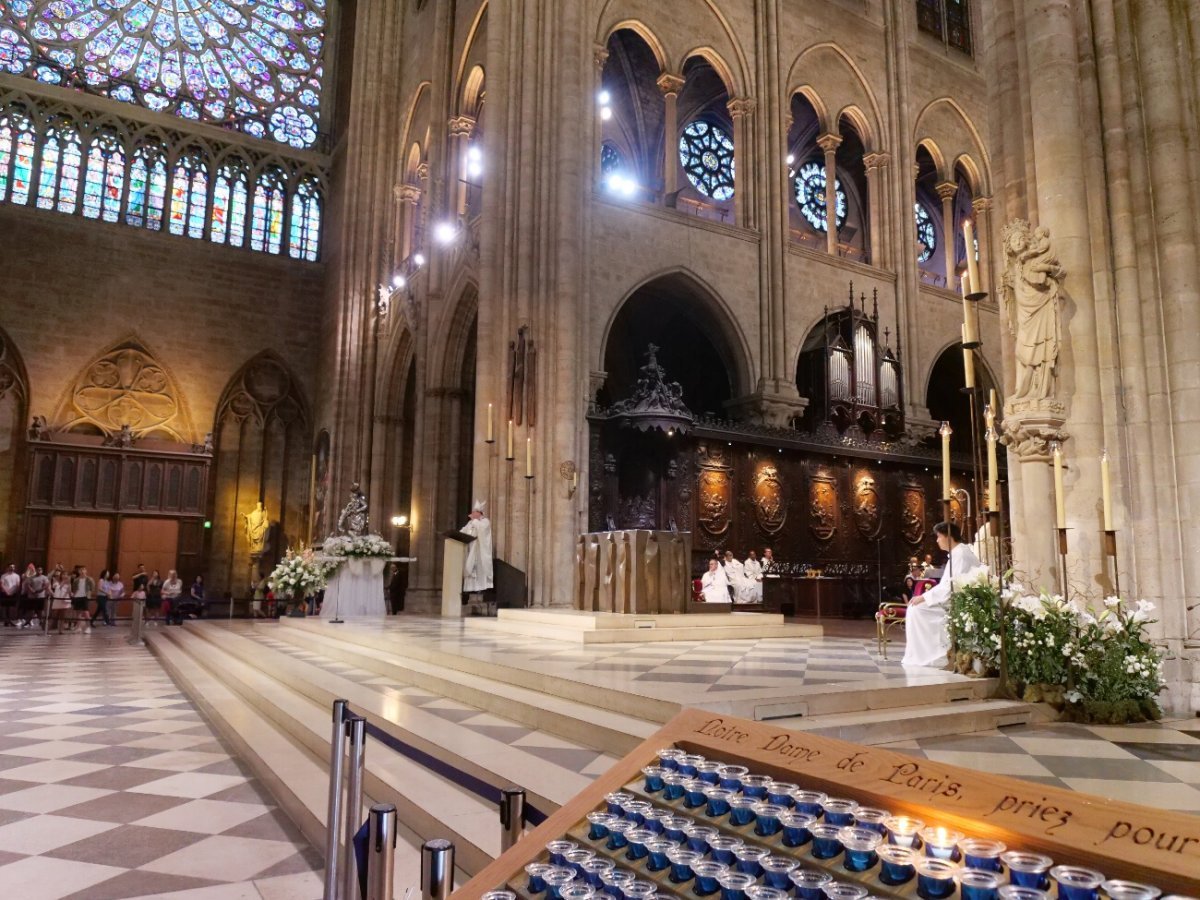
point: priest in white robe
(927, 637)
(714, 587)
(477, 568)
(735, 574)
(754, 575)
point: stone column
(742, 110)
(599, 60)
(946, 192)
(982, 209)
(1035, 553)
(671, 85)
(461, 128)
(829, 143)
(409, 196)
(877, 241)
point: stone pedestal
(1029, 432)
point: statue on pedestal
(1032, 286)
(354, 520)
(258, 520)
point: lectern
(454, 557)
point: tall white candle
(1106, 490)
(970, 317)
(968, 361)
(972, 262)
(509, 454)
(992, 470)
(945, 433)
(528, 457)
(1060, 507)
(491, 424)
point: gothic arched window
(254, 65)
(189, 194)
(948, 20)
(147, 187)
(810, 195)
(611, 160)
(266, 218)
(105, 178)
(706, 153)
(17, 143)
(306, 221)
(230, 199)
(58, 174)
(926, 234)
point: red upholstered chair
(697, 590)
(888, 616)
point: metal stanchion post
(381, 853)
(437, 869)
(357, 728)
(512, 817)
(135, 635)
(333, 816)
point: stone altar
(635, 571)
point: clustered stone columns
(670, 85)
(947, 191)
(876, 242)
(408, 196)
(830, 143)
(742, 111)
(461, 129)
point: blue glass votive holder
(904, 831)
(615, 802)
(657, 850)
(734, 885)
(935, 877)
(766, 818)
(598, 823)
(635, 811)
(697, 836)
(708, 877)
(654, 819)
(979, 853)
(640, 890)
(618, 834)
(687, 765)
(941, 843)
(594, 869)
(795, 828)
(1027, 870)
(574, 859)
(749, 859)
(723, 848)
(1016, 892)
(860, 845)
(637, 844)
(867, 817)
(731, 777)
(669, 758)
(718, 801)
(1077, 883)
(709, 772)
(682, 861)
(693, 793)
(836, 890)
(654, 778)
(673, 784)
(673, 828)
(766, 892)
(825, 843)
(979, 884)
(615, 881)
(809, 802)
(1116, 889)
(558, 850)
(781, 793)
(498, 895)
(808, 883)
(775, 871)
(556, 879)
(839, 811)
(536, 873)
(896, 864)
(741, 811)
(576, 890)
(755, 786)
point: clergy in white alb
(713, 585)
(754, 573)
(735, 574)
(927, 638)
(477, 568)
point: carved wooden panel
(868, 506)
(768, 498)
(912, 513)
(823, 506)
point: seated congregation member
(714, 587)
(927, 637)
(735, 574)
(754, 576)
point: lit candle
(1106, 490)
(903, 830)
(945, 432)
(970, 318)
(528, 457)
(992, 475)
(972, 262)
(941, 843)
(992, 400)
(509, 454)
(491, 426)
(1060, 508)
(968, 362)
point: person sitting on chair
(714, 587)
(927, 637)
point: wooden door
(152, 542)
(79, 541)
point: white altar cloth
(357, 588)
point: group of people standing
(731, 580)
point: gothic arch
(944, 121)
(470, 60)
(645, 33)
(828, 70)
(930, 146)
(457, 333)
(719, 65)
(810, 94)
(264, 388)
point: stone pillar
(946, 192)
(876, 240)
(1035, 554)
(599, 60)
(461, 128)
(742, 110)
(829, 143)
(982, 208)
(671, 85)
(409, 196)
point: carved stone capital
(1029, 432)
(407, 193)
(741, 106)
(876, 161)
(946, 190)
(773, 405)
(423, 171)
(829, 142)
(981, 205)
(599, 55)
(462, 126)
(920, 426)
(670, 84)
(596, 381)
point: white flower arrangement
(297, 577)
(367, 546)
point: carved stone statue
(1032, 288)
(354, 520)
(258, 521)
(37, 428)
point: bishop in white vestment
(927, 638)
(477, 568)
(713, 585)
(754, 573)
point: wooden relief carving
(823, 507)
(956, 515)
(637, 512)
(715, 493)
(868, 511)
(126, 386)
(770, 506)
(912, 513)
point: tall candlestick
(945, 432)
(992, 473)
(970, 318)
(528, 457)
(509, 454)
(972, 262)
(1060, 508)
(491, 425)
(992, 401)
(968, 362)
(1106, 490)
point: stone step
(905, 723)
(647, 630)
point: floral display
(298, 576)
(361, 546)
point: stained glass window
(706, 153)
(58, 181)
(228, 223)
(105, 178)
(147, 187)
(16, 155)
(958, 25)
(189, 192)
(266, 218)
(255, 65)
(306, 221)
(809, 186)
(926, 234)
(611, 160)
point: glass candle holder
(795, 828)
(598, 823)
(860, 845)
(615, 802)
(766, 818)
(809, 883)
(535, 872)
(724, 848)
(979, 853)
(556, 879)
(755, 786)
(903, 831)
(731, 777)
(825, 843)
(654, 819)
(1116, 889)
(1016, 892)
(687, 765)
(734, 885)
(673, 784)
(697, 837)
(682, 861)
(574, 859)
(708, 877)
(673, 828)
(640, 890)
(1077, 883)
(1028, 870)
(618, 834)
(693, 793)
(637, 843)
(935, 877)
(669, 758)
(741, 811)
(576, 891)
(615, 881)
(656, 849)
(709, 772)
(868, 817)
(766, 892)
(897, 865)
(809, 802)
(558, 851)
(775, 871)
(836, 890)
(750, 859)
(941, 843)
(979, 884)
(718, 801)
(594, 869)
(839, 811)
(780, 793)
(635, 811)
(654, 778)
(498, 895)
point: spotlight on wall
(445, 232)
(621, 184)
(604, 98)
(399, 281)
(474, 162)
(418, 259)
(399, 521)
(791, 159)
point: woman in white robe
(927, 639)
(754, 574)
(714, 587)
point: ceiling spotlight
(418, 259)
(791, 158)
(445, 232)
(621, 184)
(605, 113)
(604, 97)
(398, 282)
